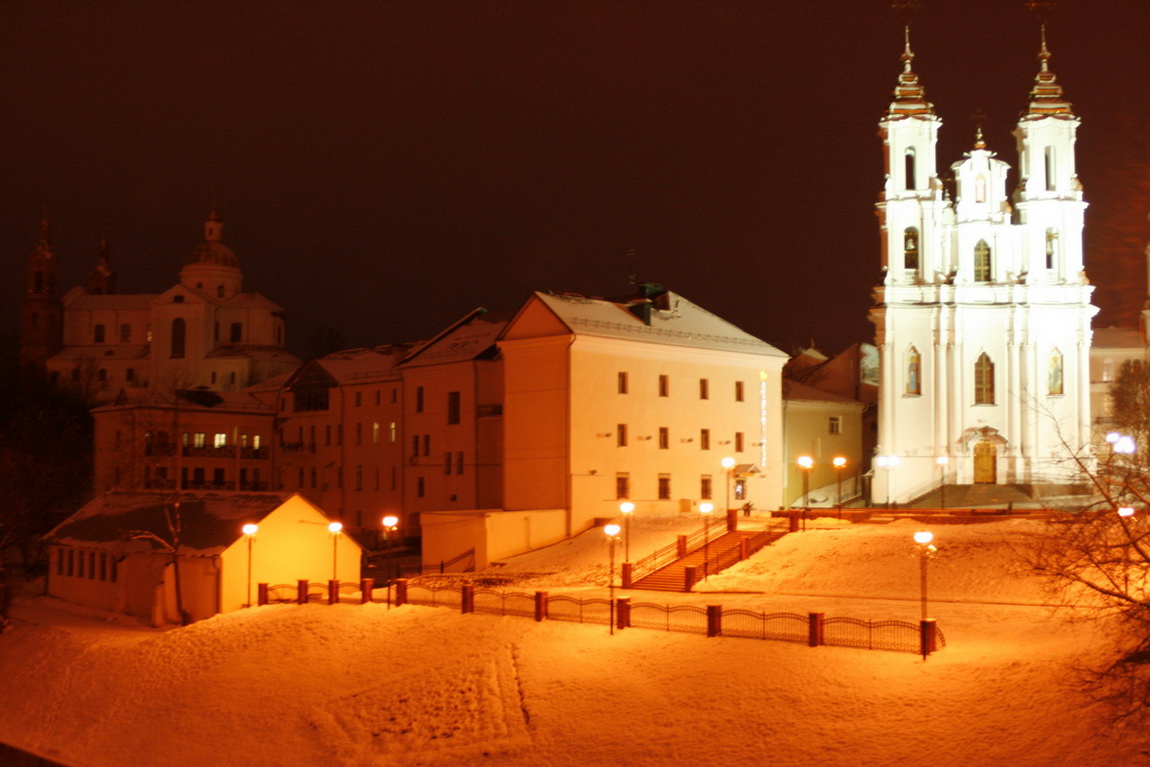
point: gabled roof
(472, 337)
(668, 318)
(209, 522)
(187, 399)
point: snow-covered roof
(252, 352)
(359, 365)
(209, 522)
(674, 320)
(99, 352)
(467, 339)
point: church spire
(213, 226)
(909, 95)
(1046, 95)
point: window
(910, 249)
(427, 444)
(738, 442)
(739, 391)
(621, 435)
(1048, 156)
(982, 263)
(664, 438)
(125, 334)
(98, 334)
(913, 373)
(103, 566)
(835, 424)
(704, 439)
(664, 386)
(179, 337)
(375, 432)
(908, 168)
(705, 487)
(459, 462)
(622, 487)
(256, 441)
(415, 444)
(419, 399)
(359, 399)
(664, 487)
(1055, 373)
(704, 388)
(1051, 248)
(237, 332)
(453, 407)
(213, 376)
(130, 374)
(447, 462)
(148, 333)
(220, 440)
(392, 431)
(359, 434)
(359, 477)
(1107, 369)
(218, 477)
(983, 380)
(71, 562)
(622, 383)
(740, 489)
(419, 488)
(101, 375)
(200, 439)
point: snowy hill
(365, 685)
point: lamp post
(612, 532)
(334, 529)
(942, 462)
(705, 509)
(390, 525)
(627, 509)
(840, 463)
(729, 465)
(923, 538)
(250, 531)
(806, 463)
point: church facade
(983, 318)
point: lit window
(375, 432)
(220, 440)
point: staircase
(719, 553)
(974, 496)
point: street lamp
(887, 462)
(705, 509)
(612, 532)
(250, 531)
(942, 461)
(334, 529)
(627, 508)
(1126, 511)
(390, 525)
(925, 548)
(806, 463)
(729, 465)
(840, 464)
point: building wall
(808, 433)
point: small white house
(115, 553)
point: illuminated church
(204, 332)
(983, 318)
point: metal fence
(688, 618)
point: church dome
(211, 250)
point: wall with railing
(813, 629)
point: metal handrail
(667, 554)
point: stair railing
(666, 555)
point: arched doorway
(985, 463)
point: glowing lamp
(1126, 511)
(923, 537)
(335, 527)
(250, 529)
(627, 507)
(611, 530)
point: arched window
(1054, 385)
(910, 249)
(983, 380)
(1048, 155)
(237, 332)
(980, 189)
(1051, 247)
(179, 337)
(908, 169)
(98, 334)
(913, 372)
(982, 263)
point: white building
(983, 318)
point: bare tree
(171, 545)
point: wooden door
(985, 463)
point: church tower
(983, 318)
(42, 318)
(102, 280)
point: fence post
(689, 577)
(333, 592)
(540, 605)
(467, 597)
(365, 587)
(732, 520)
(681, 546)
(714, 620)
(815, 628)
(928, 636)
(262, 594)
(623, 611)
(628, 570)
(745, 548)
(794, 520)
(400, 591)
(301, 591)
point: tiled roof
(209, 522)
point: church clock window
(908, 169)
(982, 262)
(983, 380)
(179, 337)
(1055, 373)
(910, 249)
(1051, 247)
(913, 372)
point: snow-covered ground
(364, 685)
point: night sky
(384, 167)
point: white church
(983, 318)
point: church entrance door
(985, 463)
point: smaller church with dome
(204, 332)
